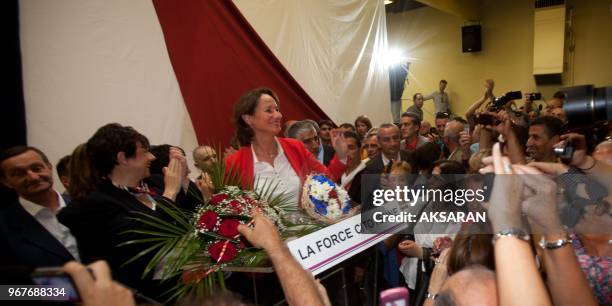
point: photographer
(544, 133)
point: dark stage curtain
(12, 116)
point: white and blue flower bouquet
(324, 200)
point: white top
(281, 173)
(347, 178)
(48, 219)
(386, 160)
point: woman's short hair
(246, 105)
(108, 141)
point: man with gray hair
(306, 132)
(457, 140)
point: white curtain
(88, 63)
(333, 48)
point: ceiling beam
(466, 9)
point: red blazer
(300, 159)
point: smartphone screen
(62, 282)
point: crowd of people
(548, 239)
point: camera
(500, 102)
(487, 119)
(565, 153)
(587, 105)
(534, 96)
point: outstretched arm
(299, 287)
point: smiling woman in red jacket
(265, 158)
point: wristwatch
(511, 232)
(554, 244)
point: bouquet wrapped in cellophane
(194, 247)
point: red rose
(229, 228)
(216, 249)
(192, 276)
(251, 201)
(218, 198)
(208, 220)
(235, 206)
(333, 194)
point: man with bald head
(204, 158)
(457, 141)
(474, 285)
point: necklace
(261, 151)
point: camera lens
(586, 105)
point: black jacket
(25, 242)
(367, 180)
(99, 223)
(328, 154)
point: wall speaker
(471, 38)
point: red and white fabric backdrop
(173, 69)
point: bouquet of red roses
(216, 222)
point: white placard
(330, 246)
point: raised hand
(506, 196)
(339, 143)
(580, 159)
(540, 205)
(173, 178)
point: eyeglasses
(312, 139)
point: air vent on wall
(549, 44)
(547, 3)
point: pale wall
(433, 39)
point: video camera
(500, 102)
(497, 105)
(534, 96)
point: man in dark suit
(30, 233)
(121, 157)
(306, 132)
(368, 179)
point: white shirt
(348, 177)
(48, 219)
(281, 173)
(386, 160)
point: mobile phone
(394, 297)
(56, 278)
